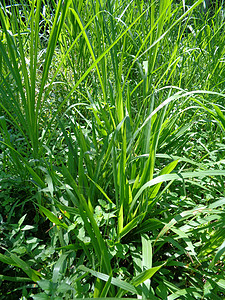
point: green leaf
(7, 260)
(143, 276)
(52, 217)
(180, 217)
(117, 282)
(146, 257)
(179, 176)
(34, 275)
(86, 212)
(27, 227)
(146, 252)
(14, 279)
(59, 268)
(166, 170)
(47, 286)
(131, 225)
(41, 296)
(101, 190)
(219, 253)
(221, 283)
(161, 291)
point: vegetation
(112, 139)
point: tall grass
(110, 111)
(21, 62)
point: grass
(112, 144)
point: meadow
(112, 149)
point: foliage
(112, 144)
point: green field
(112, 149)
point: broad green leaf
(59, 268)
(221, 283)
(41, 296)
(47, 286)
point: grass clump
(112, 145)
